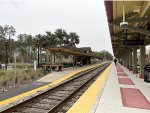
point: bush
(5, 79)
(22, 66)
(21, 75)
(28, 70)
(3, 82)
(2, 72)
(39, 72)
(24, 78)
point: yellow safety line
(85, 102)
(18, 97)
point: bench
(49, 67)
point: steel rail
(58, 104)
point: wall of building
(62, 58)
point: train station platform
(39, 86)
(117, 91)
(124, 93)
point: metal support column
(47, 55)
(130, 59)
(127, 59)
(54, 56)
(134, 57)
(73, 60)
(124, 60)
(142, 60)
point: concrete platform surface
(56, 75)
(135, 98)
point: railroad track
(61, 97)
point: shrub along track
(61, 97)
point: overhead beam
(119, 37)
(118, 20)
(141, 14)
(118, 45)
(116, 48)
(130, 27)
(117, 55)
(120, 48)
(119, 52)
(122, 35)
(139, 30)
(145, 7)
(132, 20)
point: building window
(66, 56)
(58, 56)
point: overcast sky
(85, 17)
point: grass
(22, 66)
(5, 79)
(21, 75)
(4, 72)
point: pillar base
(141, 76)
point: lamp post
(6, 50)
(104, 56)
(38, 55)
(16, 53)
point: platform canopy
(70, 50)
(137, 14)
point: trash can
(147, 74)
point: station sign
(133, 42)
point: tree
(2, 44)
(23, 53)
(7, 32)
(61, 35)
(29, 42)
(38, 40)
(52, 39)
(74, 39)
(104, 55)
(11, 32)
(21, 39)
(2, 35)
(41, 40)
(25, 44)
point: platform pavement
(42, 82)
(110, 99)
(58, 74)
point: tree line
(27, 44)
(104, 55)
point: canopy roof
(137, 14)
(70, 50)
